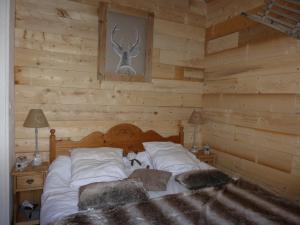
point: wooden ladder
(282, 15)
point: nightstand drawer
(30, 181)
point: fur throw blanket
(236, 203)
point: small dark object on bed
(109, 194)
(153, 180)
(197, 179)
(135, 160)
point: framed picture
(125, 43)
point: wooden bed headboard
(126, 136)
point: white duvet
(59, 199)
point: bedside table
(28, 185)
(209, 159)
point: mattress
(59, 199)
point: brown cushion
(197, 179)
(153, 180)
(109, 194)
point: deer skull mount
(126, 54)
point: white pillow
(91, 165)
(171, 157)
(154, 146)
(94, 153)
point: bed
(235, 202)
(59, 199)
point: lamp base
(37, 160)
(194, 149)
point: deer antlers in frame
(126, 54)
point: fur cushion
(197, 179)
(153, 180)
(109, 194)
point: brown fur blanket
(236, 203)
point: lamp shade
(196, 118)
(36, 119)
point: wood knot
(62, 13)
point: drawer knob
(29, 181)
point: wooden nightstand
(209, 159)
(28, 185)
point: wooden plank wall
(252, 99)
(56, 63)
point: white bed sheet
(59, 199)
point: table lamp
(195, 119)
(36, 119)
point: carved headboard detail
(126, 136)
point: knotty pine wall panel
(251, 99)
(56, 70)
